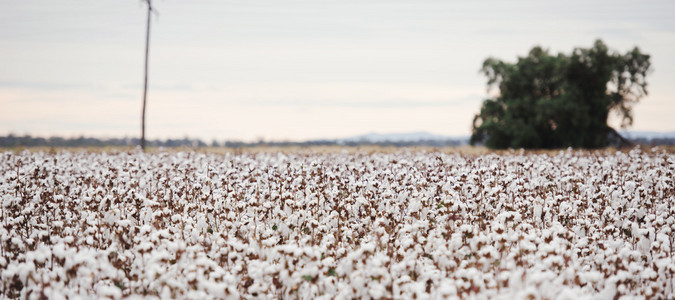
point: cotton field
(312, 225)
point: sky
(296, 69)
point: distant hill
(648, 135)
(411, 137)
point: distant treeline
(11, 141)
(29, 141)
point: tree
(552, 101)
(145, 81)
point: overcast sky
(299, 69)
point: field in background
(327, 222)
(368, 149)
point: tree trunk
(621, 141)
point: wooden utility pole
(145, 83)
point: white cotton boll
(110, 292)
(448, 186)
(565, 209)
(537, 209)
(414, 205)
(42, 254)
(376, 291)
(634, 230)
(202, 224)
(648, 274)
(150, 203)
(617, 199)
(644, 245)
(609, 292)
(529, 292)
(629, 187)
(571, 294)
(271, 241)
(361, 201)
(466, 228)
(146, 229)
(7, 201)
(447, 289)
(591, 277)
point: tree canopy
(551, 101)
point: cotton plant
(427, 225)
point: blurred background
(296, 70)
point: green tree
(551, 101)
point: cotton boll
(537, 208)
(644, 245)
(376, 291)
(414, 205)
(202, 224)
(634, 229)
(110, 292)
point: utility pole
(145, 83)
